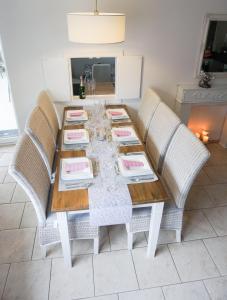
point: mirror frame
(205, 28)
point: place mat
(65, 147)
(74, 122)
(136, 178)
(67, 185)
(121, 121)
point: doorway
(8, 124)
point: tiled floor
(194, 269)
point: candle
(205, 139)
(205, 132)
(197, 135)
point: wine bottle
(82, 94)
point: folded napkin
(121, 133)
(131, 164)
(116, 113)
(75, 135)
(76, 114)
(76, 167)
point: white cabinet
(128, 77)
(58, 78)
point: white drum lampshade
(92, 28)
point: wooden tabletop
(74, 200)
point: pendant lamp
(96, 27)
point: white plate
(83, 140)
(76, 175)
(136, 171)
(123, 112)
(132, 137)
(83, 117)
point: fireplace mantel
(197, 95)
(190, 94)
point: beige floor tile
(158, 271)
(217, 174)
(217, 248)
(148, 294)
(196, 226)
(118, 238)
(165, 237)
(107, 297)
(3, 172)
(6, 159)
(218, 194)
(3, 275)
(29, 218)
(6, 192)
(217, 288)
(8, 178)
(186, 291)
(28, 280)
(16, 245)
(202, 179)
(114, 273)
(218, 218)
(5, 149)
(19, 195)
(193, 261)
(72, 283)
(10, 215)
(198, 198)
(212, 147)
(218, 156)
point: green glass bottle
(82, 94)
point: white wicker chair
(46, 105)
(161, 129)
(38, 129)
(184, 159)
(30, 172)
(147, 107)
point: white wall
(166, 32)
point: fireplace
(204, 109)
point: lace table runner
(109, 206)
(109, 199)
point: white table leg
(156, 218)
(64, 236)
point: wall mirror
(98, 75)
(213, 56)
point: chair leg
(96, 245)
(178, 235)
(130, 240)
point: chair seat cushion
(171, 218)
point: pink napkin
(76, 114)
(76, 167)
(122, 132)
(130, 164)
(115, 113)
(75, 135)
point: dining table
(143, 194)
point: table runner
(109, 199)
